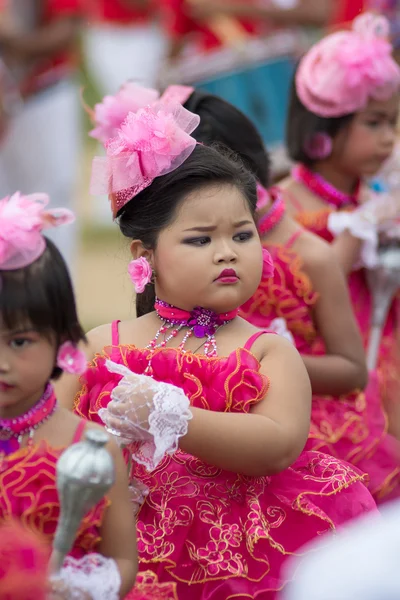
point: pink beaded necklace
(200, 322)
(323, 189)
(13, 430)
(274, 215)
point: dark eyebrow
(378, 114)
(22, 331)
(213, 228)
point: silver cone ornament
(384, 282)
(85, 473)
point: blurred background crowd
(59, 56)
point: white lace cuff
(360, 227)
(150, 416)
(92, 576)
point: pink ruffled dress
(28, 495)
(218, 534)
(389, 352)
(352, 427)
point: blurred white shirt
(361, 563)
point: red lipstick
(228, 276)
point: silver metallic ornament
(85, 473)
(384, 282)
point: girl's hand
(148, 412)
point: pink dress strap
(115, 353)
(79, 431)
(248, 345)
(115, 333)
(293, 238)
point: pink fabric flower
(339, 74)
(70, 359)
(22, 220)
(150, 143)
(112, 111)
(268, 264)
(140, 273)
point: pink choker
(323, 189)
(13, 430)
(274, 215)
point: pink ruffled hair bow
(342, 72)
(111, 112)
(22, 220)
(151, 142)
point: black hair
(153, 209)
(223, 123)
(302, 125)
(41, 296)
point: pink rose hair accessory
(22, 221)
(70, 359)
(140, 273)
(342, 72)
(152, 142)
(111, 112)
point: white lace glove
(150, 412)
(366, 222)
(279, 326)
(92, 577)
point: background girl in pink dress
(39, 332)
(341, 129)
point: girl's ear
(139, 251)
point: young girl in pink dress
(236, 494)
(341, 128)
(309, 292)
(39, 334)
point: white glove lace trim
(93, 574)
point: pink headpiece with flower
(22, 220)
(112, 111)
(339, 74)
(152, 142)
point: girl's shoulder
(130, 332)
(314, 250)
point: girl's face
(211, 254)
(361, 148)
(27, 360)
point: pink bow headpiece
(112, 111)
(22, 220)
(339, 74)
(150, 143)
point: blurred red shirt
(123, 12)
(180, 24)
(346, 11)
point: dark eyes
(18, 343)
(243, 236)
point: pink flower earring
(318, 146)
(70, 359)
(140, 273)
